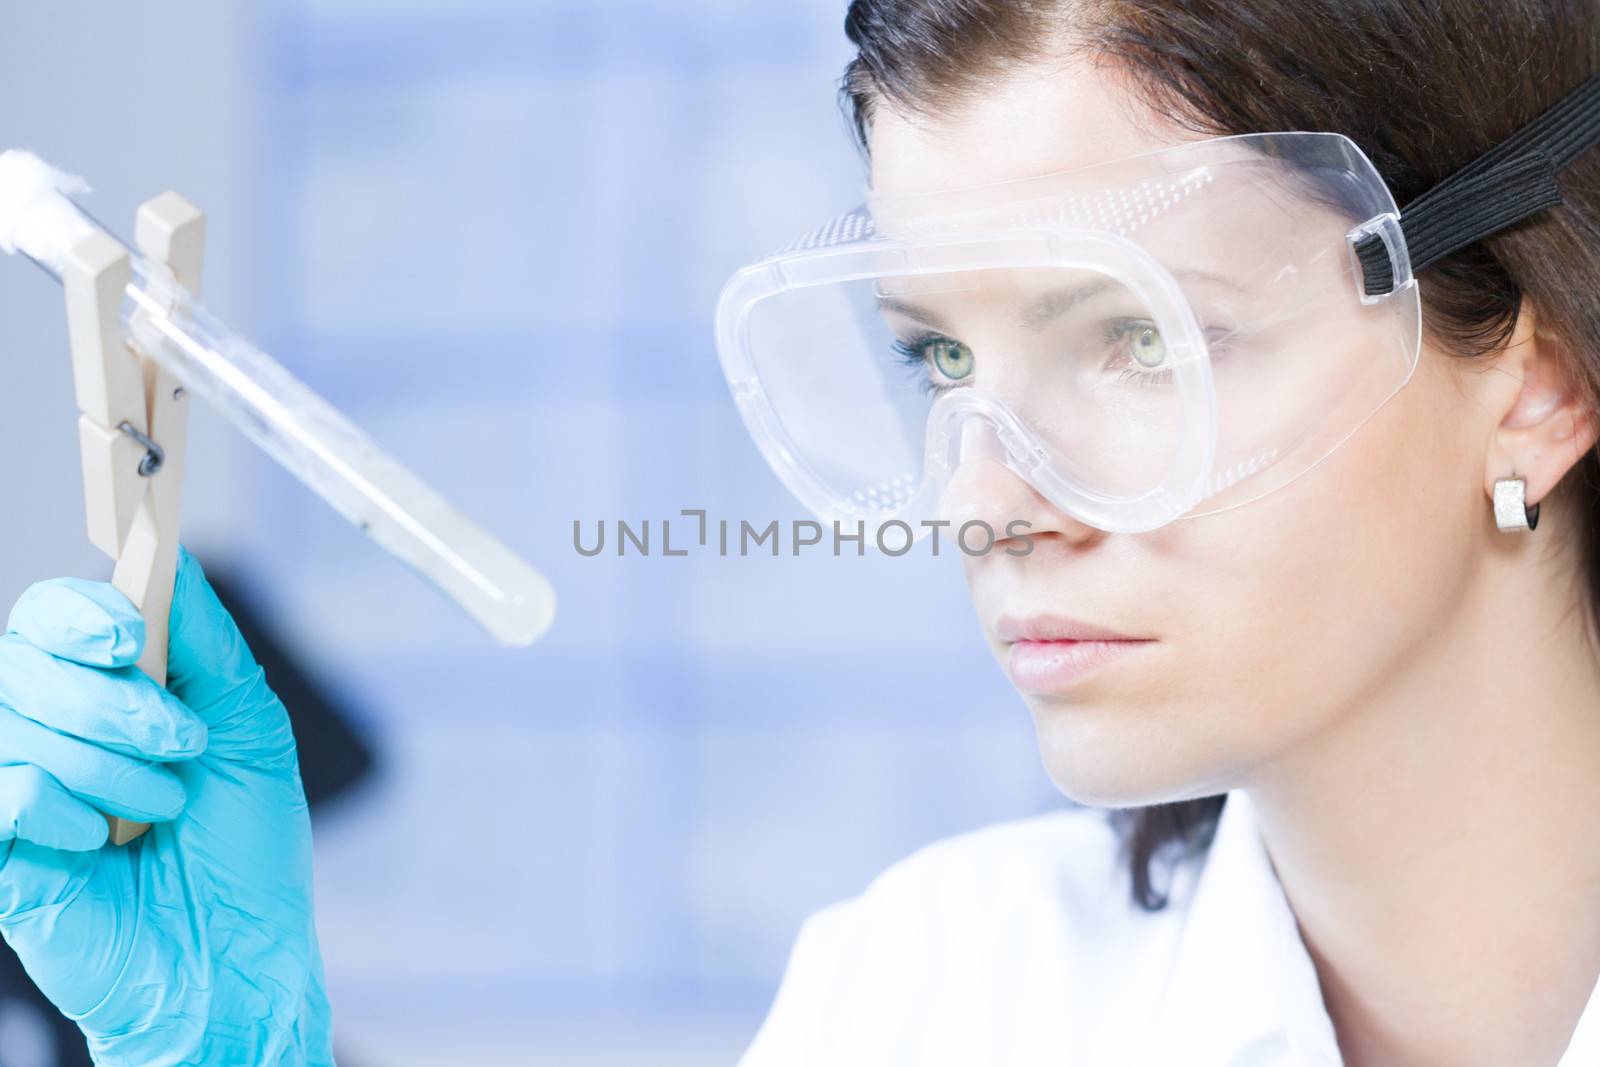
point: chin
(1115, 758)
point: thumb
(210, 668)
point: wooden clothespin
(133, 420)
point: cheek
(1277, 618)
(1295, 607)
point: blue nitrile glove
(194, 944)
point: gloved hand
(194, 944)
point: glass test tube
(321, 447)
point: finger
(88, 622)
(35, 807)
(207, 659)
(38, 886)
(113, 783)
(118, 708)
(210, 668)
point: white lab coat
(1019, 944)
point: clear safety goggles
(1157, 337)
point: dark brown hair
(1423, 86)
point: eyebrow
(912, 312)
(1044, 309)
(1047, 307)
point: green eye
(950, 358)
(1146, 344)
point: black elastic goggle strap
(1499, 189)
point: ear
(1547, 426)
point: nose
(984, 488)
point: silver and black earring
(1511, 511)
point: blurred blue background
(493, 233)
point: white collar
(1243, 990)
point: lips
(1051, 654)
(1053, 628)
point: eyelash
(914, 354)
(1115, 332)
(1117, 329)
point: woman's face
(1269, 624)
